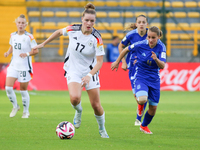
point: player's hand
(153, 55)
(38, 46)
(114, 66)
(134, 62)
(85, 81)
(23, 55)
(6, 54)
(124, 66)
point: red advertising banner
(50, 76)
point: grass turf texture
(175, 126)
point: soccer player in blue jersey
(151, 57)
(138, 33)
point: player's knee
(96, 106)
(75, 100)
(9, 90)
(142, 99)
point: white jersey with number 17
(82, 50)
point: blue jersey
(112, 52)
(146, 68)
(130, 38)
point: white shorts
(94, 82)
(22, 76)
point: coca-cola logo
(180, 78)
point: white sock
(25, 100)
(101, 121)
(78, 107)
(11, 95)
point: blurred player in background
(112, 49)
(138, 33)
(83, 60)
(21, 65)
(151, 57)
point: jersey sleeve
(10, 41)
(125, 41)
(99, 45)
(66, 30)
(162, 55)
(33, 43)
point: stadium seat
(191, 4)
(62, 24)
(153, 14)
(180, 14)
(49, 24)
(75, 23)
(114, 14)
(46, 3)
(111, 3)
(167, 4)
(127, 14)
(103, 25)
(35, 24)
(182, 25)
(151, 4)
(106, 36)
(74, 14)
(61, 14)
(193, 14)
(125, 3)
(101, 14)
(138, 4)
(185, 36)
(156, 24)
(169, 15)
(117, 25)
(34, 14)
(169, 24)
(98, 3)
(121, 35)
(198, 4)
(177, 4)
(173, 36)
(47, 13)
(140, 13)
(39, 35)
(127, 24)
(194, 24)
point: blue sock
(147, 119)
(140, 117)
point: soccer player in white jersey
(83, 61)
(20, 66)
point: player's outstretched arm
(115, 64)
(55, 35)
(124, 64)
(10, 50)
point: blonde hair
(89, 9)
(21, 16)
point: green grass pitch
(176, 125)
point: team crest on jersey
(138, 87)
(90, 43)
(143, 54)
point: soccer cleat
(140, 110)
(77, 119)
(145, 130)
(14, 111)
(25, 115)
(103, 133)
(137, 122)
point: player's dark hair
(156, 30)
(89, 9)
(133, 26)
(114, 37)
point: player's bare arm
(10, 50)
(161, 64)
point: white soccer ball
(65, 130)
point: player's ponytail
(89, 9)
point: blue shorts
(143, 88)
(131, 74)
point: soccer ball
(65, 130)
